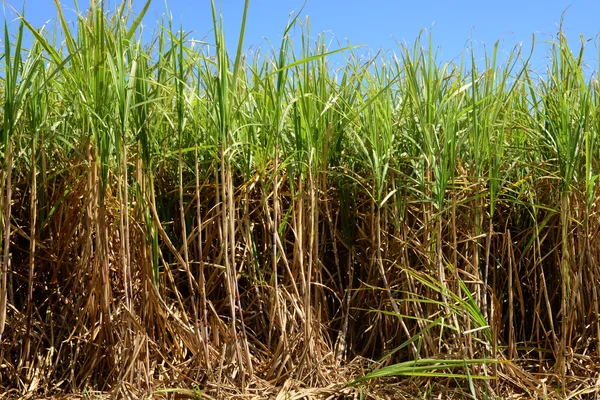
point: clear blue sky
(378, 23)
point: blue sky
(378, 24)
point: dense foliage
(176, 216)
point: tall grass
(175, 215)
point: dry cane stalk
(249, 368)
(201, 268)
(5, 254)
(186, 258)
(312, 260)
(230, 275)
(275, 302)
(33, 208)
(126, 252)
(565, 278)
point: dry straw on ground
(179, 221)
